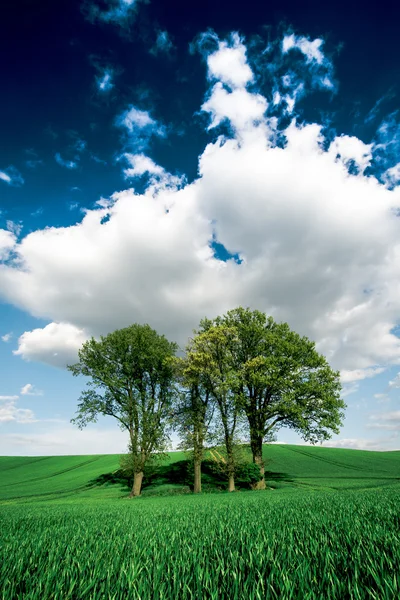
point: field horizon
(287, 466)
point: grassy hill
(28, 479)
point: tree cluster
(241, 373)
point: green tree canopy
(132, 378)
(278, 379)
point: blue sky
(162, 162)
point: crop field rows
(254, 546)
(328, 529)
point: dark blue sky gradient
(48, 94)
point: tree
(283, 381)
(131, 379)
(209, 360)
(193, 416)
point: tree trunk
(256, 449)
(260, 485)
(197, 477)
(137, 484)
(231, 483)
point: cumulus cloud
(10, 413)
(30, 390)
(12, 177)
(351, 149)
(318, 242)
(56, 344)
(228, 64)
(392, 176)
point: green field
(327, 527)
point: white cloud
(15, 228)
(310, 49)
(239, 107)
(65, 440)
(140, 165)
(30, 390)
(12, 177)
(388, 421)
(229, 65)
(395, 383)
(319, 247)
(381, 444)
(10, 413)
(359, 374)
(133, 119)
(139, 127)
(318, 64)
(382, 397)
(5, 177)
(348, 389)
(6, 337)
(57, 344)
(392, 176)
(7, 243)
(68, 164)
(349, 148)
(9, 397)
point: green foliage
(278, 377)
(282, 544)
(131, 378)
(247, 474)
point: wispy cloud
(68, 164)
(75, 148)
(359, 374)
(6, 337)
(9, 397)
(163, 43)
(105, 81)
(321, 67)
(12, 177)
(34, 161)
(37, 212)
(118, 12)
(386, 147)
(395, 383)
(376, 109)
(139, 127)
(14, 228)
(389, 421)
(30, 390)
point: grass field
(329, 529)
